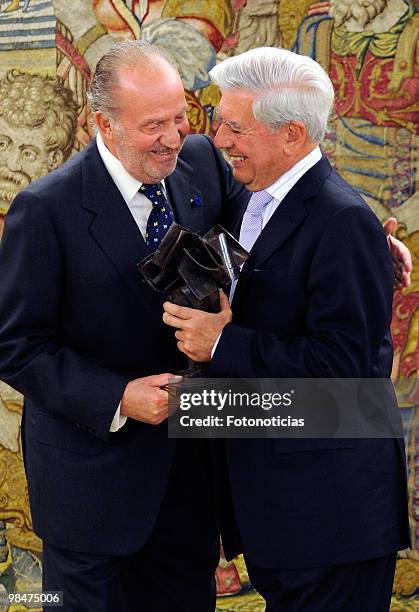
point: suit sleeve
(349, 294)
(33, 358)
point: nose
(172, 137)
(222, 138)
(13, 159)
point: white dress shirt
(139, 206)
(286, 182)
(279, 190)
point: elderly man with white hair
(320, 520)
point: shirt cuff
(214, 348)
(118, 421)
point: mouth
(10, 185)
(165, 155)
(237, 161)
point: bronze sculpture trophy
(189, 269)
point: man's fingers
(183, 312)
(390, 225)
(160, 380)
(402, 260)
(173, 321)
(183, 349)
(159, 417)
(181, 346)
(224, 303)
(406, 279)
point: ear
(103, 124)
(55, 159)
(296, 136)
(106, 129)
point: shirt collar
(288, 180)
(127, 184)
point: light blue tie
(252, 224)
(253, 219)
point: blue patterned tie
(160, 217)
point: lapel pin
(196, 201)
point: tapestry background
(48, 50)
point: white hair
(288, 87)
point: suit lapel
(184, 193)
(289, 215)
(113, 226)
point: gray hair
(127, 54)
(288, 87)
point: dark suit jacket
(314, 301)
(76, 324)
